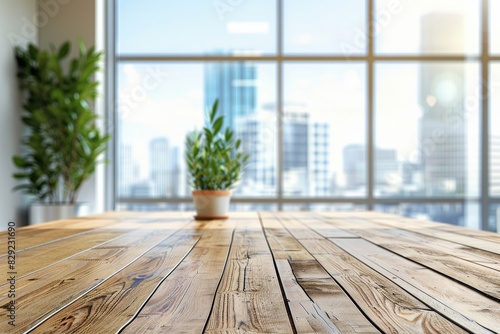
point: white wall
(16, 28)
(44, 22)
(75, 19)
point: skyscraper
(160, 160)
(128, 171)
(354, 157)
(258, 135)
(320, 159)
(443, 136)
(296, 147)
(234, 84)
(306, 152)
(354, 165)
(495, 165)
(305, 143)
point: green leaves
(64, 50)
(63, 144)
(217, 124)
(215, 160)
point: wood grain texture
(485, 245)
(283, 244)
(450, 298)
(48, 232)
(249, 298)
(474, 255)
(110, 305)
(68, 280)
(183, 301)
(317, 303)
(287, 272)
(364, 225)
(481, 278)
(51, 253)
(391, 308)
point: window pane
(494, 218)
(494, 12)
(325, 26)
(427, 27)
(427, 139)
(196, 26)
(160, 102)
(449, 213)
(495, 129)
(324, 132)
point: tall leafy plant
(214, 156)
(62, 142)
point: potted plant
(61, 143)
(215, 162)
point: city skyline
(332, 122)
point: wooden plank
(249, 298)
(486, 245)
(388, 306)
(481, 278)
(49, 232)
(183, 301)
(478, 256)
(474, 255)
(120, 215)
(316, 301)
(283, 245)
(318, 225)
(298, 231)
(307, 316)
(485, 235)
(68, 280)
(110, 305)
(337, 214)
(462, 230)
(51, 253)
(464, 306)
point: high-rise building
(306, 145)
(258, 135)
(177, 176)
(355, 168)
(320, 159)
(295, 150)
(160, 162)
(443, 135)
(234, 84)
(140, 190)
(354, 165)
(128, 171)
(495, 165)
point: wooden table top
(267, 272)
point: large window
(343, 105)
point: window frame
(484, 59)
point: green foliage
(214, 156)
(62, 142)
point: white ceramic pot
(211, 204)
(41, 213)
